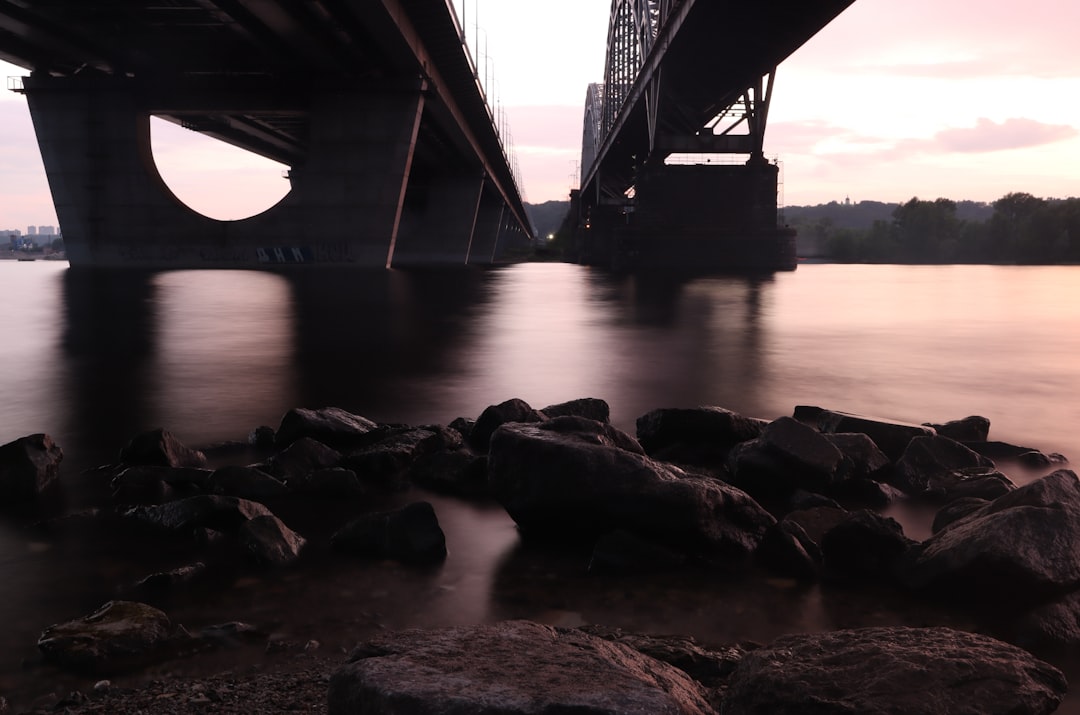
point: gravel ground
(295, 686)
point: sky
(892, 100)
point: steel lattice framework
(688, 77)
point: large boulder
(28, 467)
(698, 435)
(387, 461)
(411, 534)
(246, 483)
(934, 464)
(787, 456)
(302, 457)
(578, 485)
(118, 636)
(269, 542)
(509, 668)
(892, 671)
(890, 436)
(329, 425)
(589, 407)
(1021, 548)
(160, 448)
(974, 428)
(494, 416)
(146, 484)
(185, 516)
(865, 545)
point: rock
(332, 426)
(1052, 626)
(817, 521)
(787, 456)
(458, 472)
(145, 484)
(955, 510)
(263, 438)
(269, 541)
(705, 665)
(968, 429)
(184, 516)
(929, 464)
(589, 407)
(862, 458)
(1004, 450)
(302, 457)
(411, 534)
(29, 466)
(159, 448)
(387, 461)
(583, 429)
(246, 483)
(463, 426)
(509, 668)
(889, 671)
(621, 551)
(566, 487)
(979, 483)
(865, 545)
(1021, 548)
(857, 493)
(701, 435)
(891, 437)
(332, 482)
(117, 636)
(163, 582)
(789, 551)
(494, 416)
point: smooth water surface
(94, 358)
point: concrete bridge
(673, 170)
(375, 105)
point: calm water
(94, 359)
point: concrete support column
(114, 209)
(438, 220)
(489, 222)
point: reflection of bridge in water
(395, 158)
(672, 168)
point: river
(93, 359)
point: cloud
(988, 135)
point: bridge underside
(375, 108)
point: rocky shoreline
(702, 489)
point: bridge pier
(698, 216)
(352, 200)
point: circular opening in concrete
(216, 179)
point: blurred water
(94, 358)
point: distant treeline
(1017, 228)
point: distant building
(46, 230)
(31, 230)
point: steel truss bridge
(685, 81)
(375, 105)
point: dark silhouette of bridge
(673, 167)
(374, 105)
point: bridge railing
(486, 84)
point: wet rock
(411, 534)
(185, 516)
(567, 487)
(890, 436)
(246, 483)
(159, 448)
(1021, 548)
(330, 483)
(1051, 626)
(510, 668)
(494, 416)
(787, 456)
(621, 551)
(930, 464)
(332, 426)
(700, 436)
(463, 426)
(302, 457)
(862, 458)
(879, 671)
(788, 550)
(708, 666)
(857, 493)
(156, 484)
(1004, 451)
(865, 545)
(263, 438)
(29, 466)
(968, 429)
(269, 542)
(588, 407)
(590, 431)
(980, 483)
(117, 636)
(387, 462)
(163, 582)
(457, 472)
(955, 510)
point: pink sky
(894, 99)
